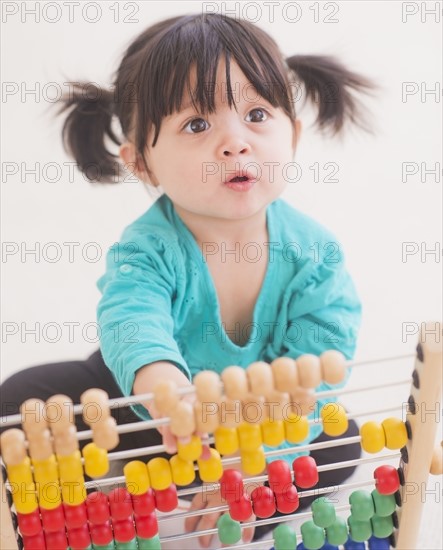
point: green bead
(229, 531)
(337, 533)
(110, 546)
(313, 536)
(152, 543)
(323, 512)
(362, 505)
(359, 530)
(382, 527)
(284, 537)
(384, 505)
(130, 545)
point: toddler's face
(196, 154)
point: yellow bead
(24, 497)
(190, 451)
(70, 466)
(273, 432)
(21, 473)
(373, 438)
(296, 428)
(253, 462)
(96, 462)
(334, 418)
(183, 472)
(395, 433)
(211, 469)
(74, 492)
(159, 473)
(136, 477)
(226, 440)
(249, 436)
(45, 470)
(49, 494)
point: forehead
(236, 80)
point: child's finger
(208, 521)
(192, 522)
(169, 441)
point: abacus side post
(8, 539)
(423, 426)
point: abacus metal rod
(258, 479)
(15, 419)
(147, 424)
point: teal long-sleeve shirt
(159, 302)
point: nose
(233, 141)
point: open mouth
(239, 179)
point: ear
(296, 131)
(134, 163)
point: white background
(371, 210)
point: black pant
(72, 378)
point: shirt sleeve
(135, 311)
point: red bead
(288, 501)
(101, 534)
(36, 542)
(166, 500)
(124, 530)
(387, 481)
(143, 504)
(75, 516)
(56, 540)
(53, 520)
(97, 506)
(79, 537)
(305, 472)
(241, 510)
(263, 502)
(231, 485)
(146, 526)
(120, 504)
(30, 524)
(279, 476)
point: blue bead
(326, 546)
(375, 543)
(352, 545)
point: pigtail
(86, 128)
(330, 85)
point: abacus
(47, 504)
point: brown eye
(196, 125)
(259, 116)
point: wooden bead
(303, 402)
(40, 445)
(276, 405)
(66, 442)
(96, 462)
(309, 371)
(182, 423)
(206, 416)
(105, 434)
(33, 418)
(165, 396)
(59, 411)
(395, 433)
(95, 406)
(13, 447)
(334, 419)
(333, 366)
(253, 408)
(436, 462)
(235, 382)
(207, 386)
(231, 414)
(284, 371)
(260, 378)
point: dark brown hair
(151, 79)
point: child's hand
(169, 439)
(206, 499)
